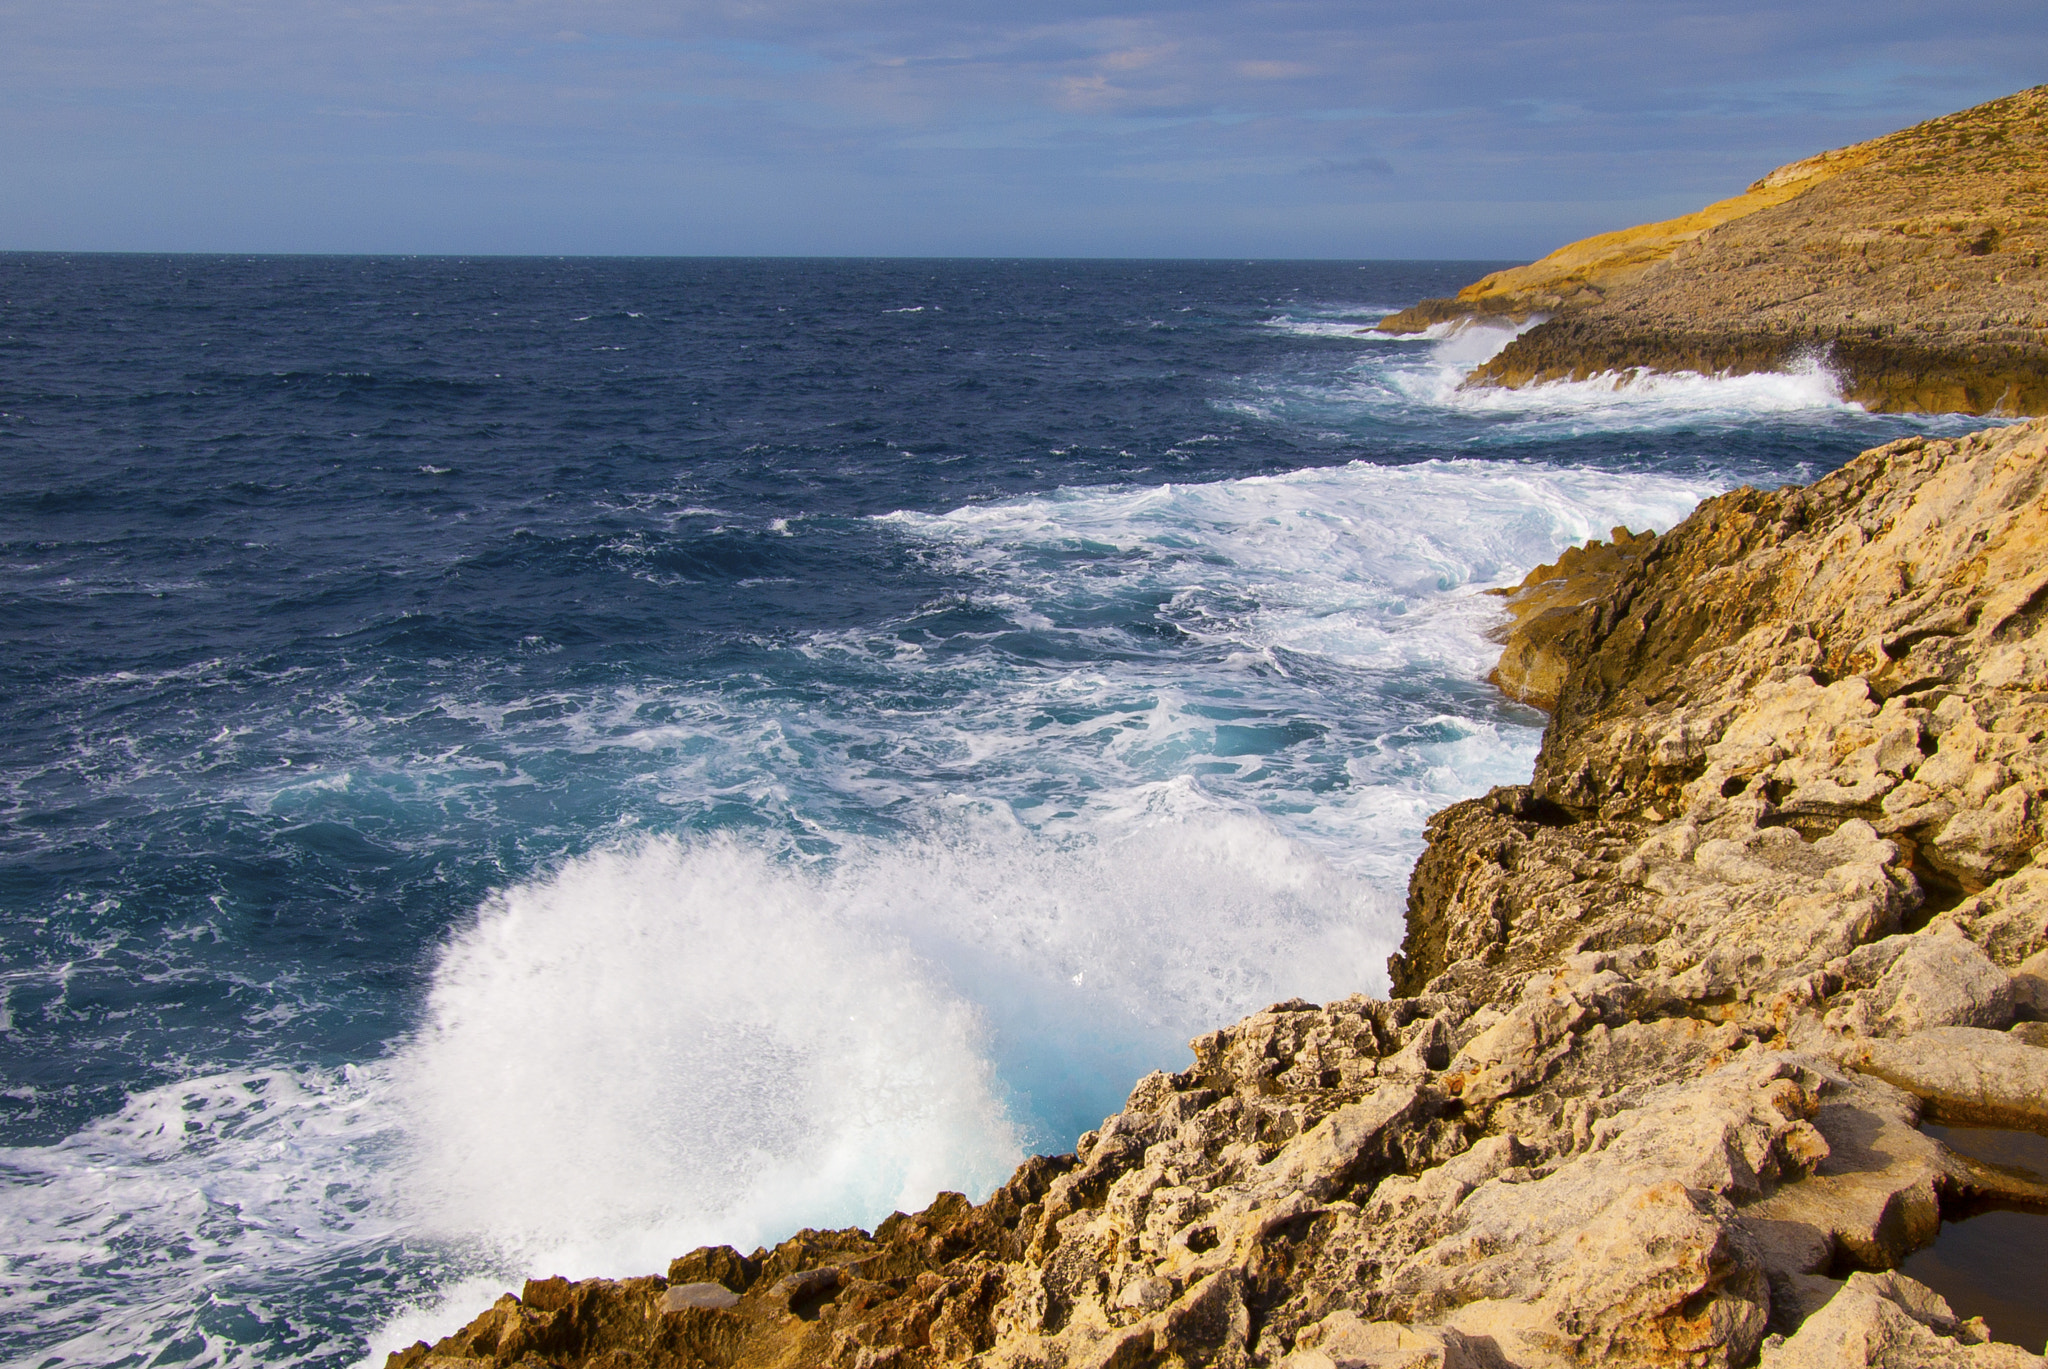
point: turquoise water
(529, 766)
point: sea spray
(674, 1043)
(159, 1233)
(666, 1045)
(1415, 387)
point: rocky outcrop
(1547, 605)
(1911, 266)
(1669, 1017)
(1581, 273)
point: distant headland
(1910, 265)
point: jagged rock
(1671, 1014)
(1549, 602)
(1911, 265)
(1889, 1320)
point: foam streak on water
(158, 1234)
(715, 747)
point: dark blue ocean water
(520, 763)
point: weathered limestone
(1911, 265)
(1887, 1319)
(1966, 1075)
(1581, 273)
(1671, 1016)
(1549, 602)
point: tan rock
(1342, 1341)
(1889, 1320)
(1874, 1198)
(1548, 603)
(1965, 1074)
(1942, 981)
(2030, 986)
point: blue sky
(1335, 128)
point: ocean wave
(1647, 398)
(672, 1043)
(1413, 388)
(669, 1044)
(1371, 565)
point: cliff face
(1912, 265)
(1581, 273)
(1670, 1016)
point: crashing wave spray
(1417, 383)
(666, 1045)
(674, 1043)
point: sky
(1174, 128)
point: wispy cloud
(1352, 166)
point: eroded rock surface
(1670, 1017)
(1548, 603)
(1580, 274)
(1911, 265)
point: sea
(528, 766)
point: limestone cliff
(1911, 265)
(1581, 273)
(1669, 1017)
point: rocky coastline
(1910, 266)
(1667, 1024)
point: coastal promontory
(1911, 266)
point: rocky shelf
(1910, 265)
(1668, 1018)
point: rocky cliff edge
(1910, 265)
(1669, 1019)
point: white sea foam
(1353, 324)
(672, 1043)
(665, 1045)
(1298, 602)
(158, 1234)
(1642, 398)
(1370, 566)
(1467, 340)
(1420, 379)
